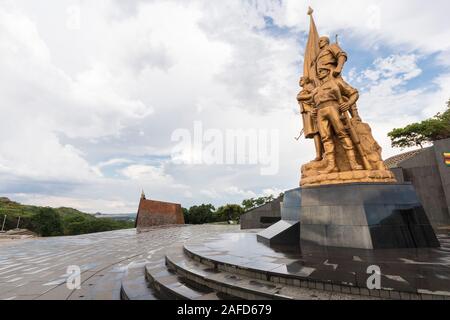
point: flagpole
(312, 50)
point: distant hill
(47, 221)
(120, 217)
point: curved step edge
(294, 281)
(245, 288)
(171, 286)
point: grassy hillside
(55, 222)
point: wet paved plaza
(415, 272)
(37, 269)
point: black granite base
(360, 216)
(291, 205)
(365, 216)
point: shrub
(47, 223)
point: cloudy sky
(92, 91)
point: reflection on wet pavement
(409, 270)
(37, 269)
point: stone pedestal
(360, 216)
(365, 216)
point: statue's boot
(353, 163)
(319, 148)
(332, 167)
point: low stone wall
(262, 217)
(430, 177)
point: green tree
(253, 203)
(204, 213)
(230, 212)
(47, 222)
(249, 204)
(421, 133)
(186, 215)
(83, 224)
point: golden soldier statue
(332, 57)
(328, 98)
(331, 118)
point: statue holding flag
(346, 151)
(308, 84)
(310, 129)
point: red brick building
(156, 213)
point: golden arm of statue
(305, 96)
(347, 105)
(354, 111)
(349, 95)
(306, 102)
(340, 66)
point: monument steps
(154, 281)
(297, 287)
(170, 286)
(134, 286)
(245, 287)
(231, 284)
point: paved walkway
(37, 269)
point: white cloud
(235, 191)
(98, 169)
(399, 67)
(39, 101)
(273, 192)
(415, 24)
(146, 173)
(211, 194)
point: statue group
(346, 151)
(347, 197)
